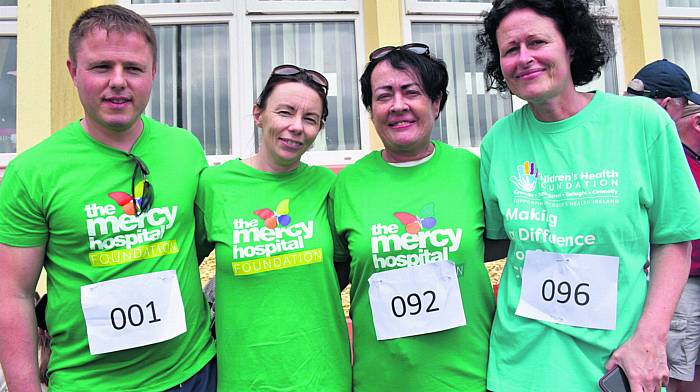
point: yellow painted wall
(382, 20)
(640, 34)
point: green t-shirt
(279, 320)
(609, 181)
(446, 189)
(58, 194)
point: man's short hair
(662, 79)
(690, 110)
(111, 18)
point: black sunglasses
(141, 188)
(292, 70)
(415, 47)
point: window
(449, 27)
(215, 56)
(680, 32)
(8, 80)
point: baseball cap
(662, 79)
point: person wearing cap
(684, 335)
(666, 83)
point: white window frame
(472, 15)
(302, 7)
(417, 7)
(678, 13)
(241, 87)
(220, 7)
(8, 28)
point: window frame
(212, 8)
(473, 16)
(240, 21)
(677, 13)
(8, 28)
(291, 7)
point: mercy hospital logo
(417, 241)
(118, 235)
(526, 180)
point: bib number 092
(399, 305)
(134, 314)
(563, 292)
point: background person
(684, 336)
(279, 319)
(111, 219)
(582, 184)
(410, 225)
(666, 83)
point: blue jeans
(203, 381)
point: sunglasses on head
(141, 188)
(292, 70)
(417, 48)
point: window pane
(608, 78)
(683, 3)
(8, 2)
(327, 47)
(681, 45)
(8, 94)
(172, 1)
(470, 110)
(191, 89)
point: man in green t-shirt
(106, 210)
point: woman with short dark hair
(583, 184)
(410, 225)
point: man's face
(113, 74)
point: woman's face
(401, 111)
(535, 61)
(290, 123)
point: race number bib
(572, 289)
(416, 300)
(132, 312)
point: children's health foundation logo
(526, 180)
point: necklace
(692, 153)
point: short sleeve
(674, 210)
(492, 213)
(22, 220)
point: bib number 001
(119, 316)
(413, 300)
(563, 292)
(134, 311)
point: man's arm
(18, 334)
(643, 356)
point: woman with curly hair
(585, 185)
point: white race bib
(572, 289)
(416, 300)
(132, 312)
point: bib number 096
(399, 305)
(134, 314)
(563, 292)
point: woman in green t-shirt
(586, 185)
(279, 320)
(410, 222)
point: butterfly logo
(279, 217)
(125, 200)
(413, 223)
